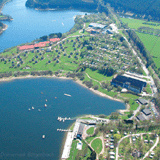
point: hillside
(44, 4)
(142, 7)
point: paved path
(130, 135)
(135, 112)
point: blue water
(30, 24)
(21, 130)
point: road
(147, 154)
(130, 135)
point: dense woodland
(43, 4)
(149, 8)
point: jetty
(64, 130)
(60, 119)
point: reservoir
(29, 24)
(21, 130)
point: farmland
(151, 42)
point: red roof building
(54, 39)
(37, 45)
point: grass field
(90, 131)
(151, 42)
(97, 145)
(136, 23)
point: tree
(114, 115)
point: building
(92, 31)
(132, 84)
(109, 31)
(37, 45)
(141, 117)
(147, 112)
(142, 101)
(80, 130)
(97, 26)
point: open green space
(151, 42)
(136, 23)
(90, 131)
(97, 145)
(79, 154)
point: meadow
(151, 42)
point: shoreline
(5, 28)
(61, 77)
(7, 79)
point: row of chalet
(129, 83)
(38, 45)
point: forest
(149, 8)
(61, 4)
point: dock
(64, 130)
(60, 119)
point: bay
(29, 24)
(21, 130)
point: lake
(21, 130)
(30, 24)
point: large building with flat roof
(97, 26)
(129, 83)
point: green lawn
(152, 44)
(136, 23)
(84, 153)
(97, 145)
(90, 131)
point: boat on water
(32, 107)
(43, 136)
(67, 95)
(29, 109)
(39, 110)
(46, 100)
(45, 105)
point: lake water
(21, 130)
(30, 24)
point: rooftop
(146, 111)
(141, 117)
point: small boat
(39, 110)
(32, 107)
(43, 136)
(46, 100)
(29, 109)
(45, 105)
(67, 95)
(62, 23)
